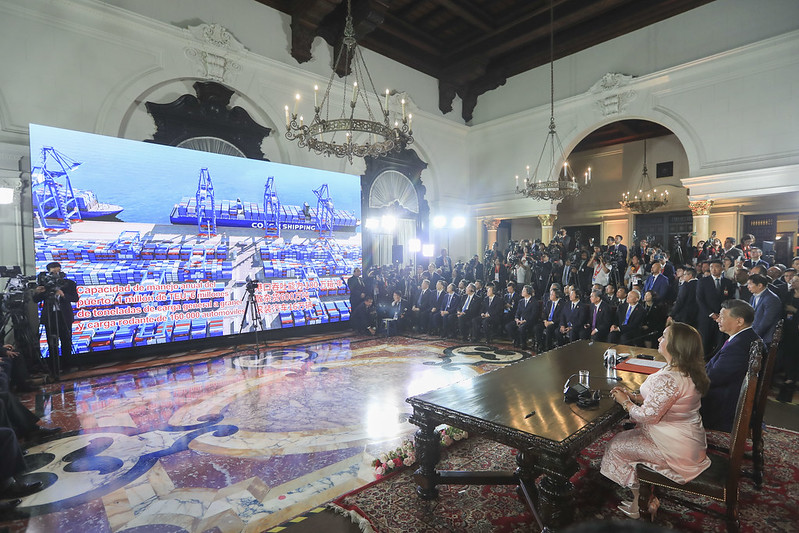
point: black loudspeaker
(396, 254)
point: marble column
(701, 215)
(547, 222)
(492, 225)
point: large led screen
(169, 244)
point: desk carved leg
(428, 452)
(556, 492)
(527, 471)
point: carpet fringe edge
(357, 519)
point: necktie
(593, 321)
(718, 284)
(629, 312)
(466, 305)
(449, 300)
(755, 300)
(419, 303)
(573, 305)
(552, 311)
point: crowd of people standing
(542, 296)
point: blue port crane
(324, 211)
(51, 188)
(271, 209)
(206, 209)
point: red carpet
(391, 505)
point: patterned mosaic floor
(236, 443)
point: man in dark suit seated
(422, 304)
(363, 317)
(446, 319)
(711, 291)
(490, 313)
(574, 319)
(396, 313)
(767, 306)
(511, 299)
(469, 309)
(545, 329)
(439, 298)
(684, 308)
(528, 312)
(629, 319)
(727, 368)
(601, 317)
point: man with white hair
(630, 317)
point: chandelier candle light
(540, 186)
(320, 134)
(648, 198)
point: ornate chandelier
(541, 185)
(333, 131)
(648, 198)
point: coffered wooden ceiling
(471, 46)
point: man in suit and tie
(727, 368)
(767, 306)
(423, 303)
(447, 316)
(546, 328)
(439, 299)
(573, 319)
(657, 283)
(490, 313)
(511, 301)
(711, 292)
(630, 318)
(357, 288)
(755, 255)
(601, 317)
(468, 311)
(528, 312)
(684, 308)
(396, 312)
(620, 253)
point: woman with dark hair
(669, 437)
(655, 319)
(635, 272)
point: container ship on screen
(239, 214)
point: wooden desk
(496, 406)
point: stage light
(428, 250)
(414, 245)
(439, 221)
(458, 222)
(372, 223)
(388, 223)
(6, 195)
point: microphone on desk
(566, 385)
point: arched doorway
(615, 152)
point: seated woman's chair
(720, 480)
(761, 400)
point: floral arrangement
(405, 455)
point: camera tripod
(252, 312)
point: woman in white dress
(669, 436)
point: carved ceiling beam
(306, 17)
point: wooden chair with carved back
(720, 481)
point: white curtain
(382, 243)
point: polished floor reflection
(239, 442)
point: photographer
(57, 294)
(601, 275)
